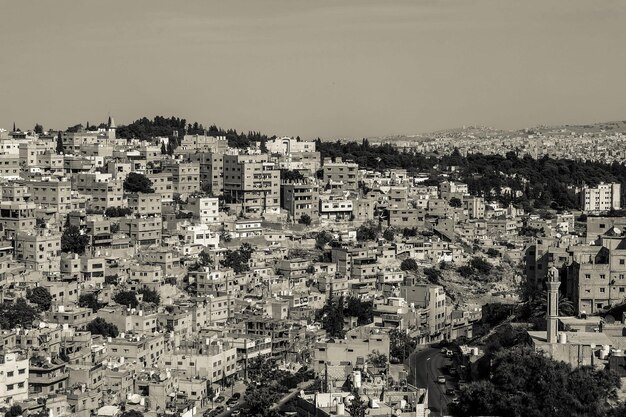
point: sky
(314, 68)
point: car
(220, 399)
(450, 391)
(237, 395)
(444, 350)
(441, 379)
(219, 409)
(232, 401)
(236, 413)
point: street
(425, 366)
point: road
(429, 364)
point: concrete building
(13, 377)
(252, 183)
(300, 198)
(185, 176)
(339, 174)
(601, 198)
(205, 209)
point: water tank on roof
(562, 338)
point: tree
(408, 264)
(117, 211)
(102, 327)
(305, 219)
(16, 314)
(137, 183)
(126, 298)
(400, 344)
(367, 232)
(150, 296)
(131, 413)
(493, 253)
(522, 382)
(389, 234)
(331, 316)
(238, 260)
(40, 296)
(163, 149)
(362, 310)
(539, 305)
(455, 202)
(480, 265)
(377, 359)
(59, 147)
(89, 300)
(433, 275)
(322, 239)
(72, 240)
(290, 175)
(358, 406)
(14, 411)
(38, 129)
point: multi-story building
(55, 195)
(185, 176)
(341, 174)
(105, 191)
(144, 351)
(433, 298)
(215, 360)
(13, 377)
(39, 251)
(162, 184)
(601, 198)
(349, 350)
(143, 231)
(211, 171)
(300, 198)
(252, 183)
(17, 217)
(145, 204)
(205, 209)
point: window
(602, 289)
(10, 374)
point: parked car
(236, 413)
(219, 409)
(237, 395)
(441, 379)
(450, 391)
(220, 399)
(231, 402)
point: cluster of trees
(367, 231)
(41, 297)
(305, 219)
(522, 382)
(102, 327)
(203, 260)
(90, 300)
(160, 126)
(137, 183)
(238, 259)
(19, 313)
(401, 345)
(269, 383)
(291, 175)
(476, 267)
(331, 315)
(72, 240)
(129, 298)
(117, 211)
(409, 264)
(540, 183)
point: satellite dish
(609, 319)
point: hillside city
(165, 269)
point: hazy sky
(338, 68)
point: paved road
(425, 366)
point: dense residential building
(601, 198)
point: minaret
(553, 283)
(111, 128)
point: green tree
(480, 265)
(305, 219)
(322, 239)
(539, 305)
(137, 183)
(41, 297)
(377, 359)
(163, 149)
(126, 298)
(455, 202)
(72, 240)
(38, 129)
(408, 264)
(102, 327)
(433, 275)
(362, 310)
(400, 344)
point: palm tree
(539, 305)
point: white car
(441, 379)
